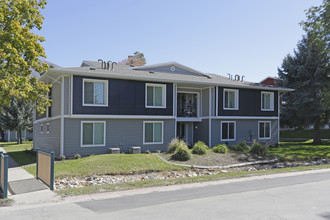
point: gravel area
(215, 159)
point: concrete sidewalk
(24, 188)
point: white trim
(198, 102)
(246, 117)
(163, 86)
(216, 101)
(174, 100)
(271, 101)
(270, 130)
(222, 122)
(153, 122)
(81, 134)
(236, 92)
(71, 95)
(105, 92)
(175, 104)
(62, 119)
(189, 119)
(278, 120)
(47, 127)
(210, 106)
(47, 119)
(122, 116)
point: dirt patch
(215, 159)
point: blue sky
(242, 37)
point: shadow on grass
(22, 157)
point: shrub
(199, 148)
(181, 154)
(220, 148)
(174, 144)
(241, 147)
(158, 151)
(147, 152)
(259, 149)
(77, 156)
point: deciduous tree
(137, 59)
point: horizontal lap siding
(243, 129)
(119, 133)
(47, 141)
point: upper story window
(155, 95)
(230, 99)
(267, 101)
(95, 92)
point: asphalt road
(304, 196)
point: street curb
(219, 167)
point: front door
(185, 132)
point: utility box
(135, 150)
(114, 150)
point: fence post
(52, 158)
(5, 188)
(37, 163)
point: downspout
(62, 119)
(210, 106)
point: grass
(293, 151)
(110, 164)
(168, 182)
(18, 152)
(308, 134)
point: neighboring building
(270, 81)
(102, 105)
(12, 135)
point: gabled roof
(172, 63)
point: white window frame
(227, 122)
(41, 128)
(271, 101)
(153, 122)
(270, 130)
(47, 128)
(236, 98)
(81, 134)
(163, 86)
(105, 92)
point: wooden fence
(45, 168)
(4, 174)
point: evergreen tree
(306, 71)
(17, 117)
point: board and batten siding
(201, 131)
(125, 97)
(249, 103)
(205, 102)
(47, 141)
(243, 130)
(122, 133)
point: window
(42, 128)
(155, 95)
(152, 132)
(230, 99)
(50, 107)
(95, 92)
(47, 128)
(23, 134)
(264, 130)
(267, 101)
(92, 133)
(228, 130)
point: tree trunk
(19, 136)
(317, 139)
(2, 134)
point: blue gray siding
(201, 131)
(122, 133)
(249, 104)
(126, 97)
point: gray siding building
(97, 106)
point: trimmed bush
(241, 147)
(174, 144)
(76, 156)
(199, 148)
(259, 149)
(220, 149)
(181, 154)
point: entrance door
(185, 132)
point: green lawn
(292, 151)
(110, 164)
(308, 134)
(18, 152)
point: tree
(317, 25)
(306, 71)
(20, 50)
(17, 117)
(137, 59)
